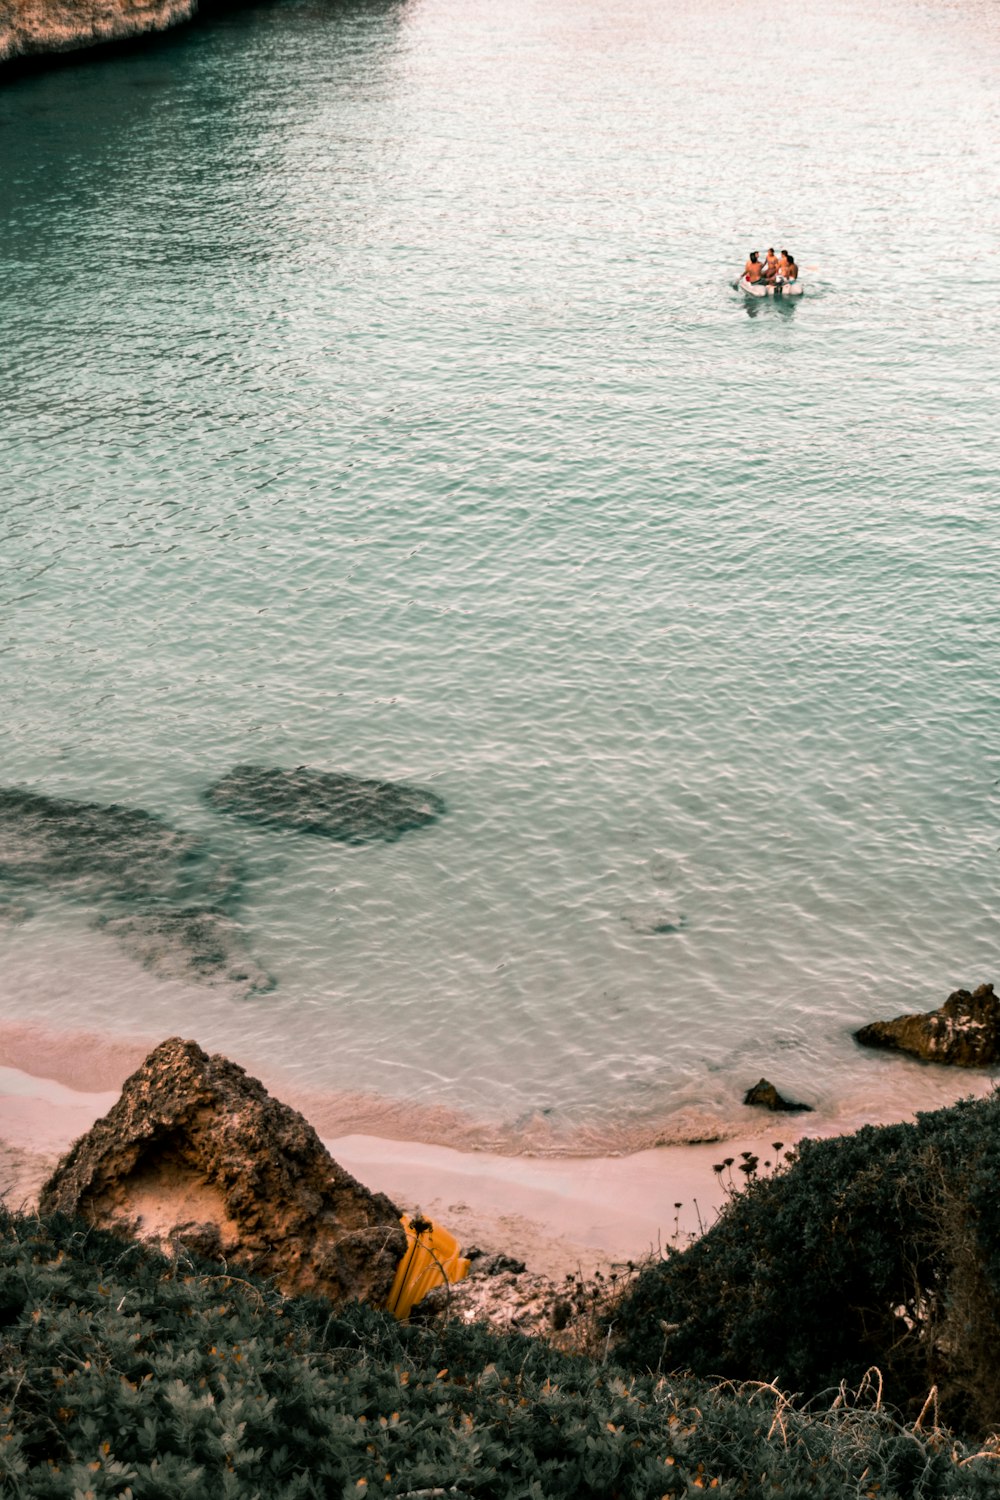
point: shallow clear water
(375, 398)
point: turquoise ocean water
(375, 398)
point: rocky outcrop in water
(348, 808)
(196, 1153)
(197, 944)
(28, 27)
(765, 1096)
(964, 1031)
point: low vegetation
(124, 1374)
(879, 1248)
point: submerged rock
(93, 849)
(198, 944)
(33, 26)
(197, 1153)
(349, 808)
(766, 1096)
(964, 1031)
(123, 858)
(652, 919)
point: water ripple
(375, 398)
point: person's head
(771, 251)
(753, 256)
(789, 257)
(785, 253)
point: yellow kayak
(432, 1256)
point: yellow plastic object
(432, 1256)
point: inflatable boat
(770, 288)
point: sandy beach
(558, 1214)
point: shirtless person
(783, 264)
(789, 269)
(770, 265)
(753, 268)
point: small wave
(92, 1062)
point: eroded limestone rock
(33, 26)
(197, 944)
(964, 1031)
(349, 808)
(197, 1153)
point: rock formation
(196, 1153)
(338, 806)
(33, 26)
(964, 1031)
(198, 944)
(766, 1096)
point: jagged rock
(964, 1031)
(96, 850)
(499, 1265)
(348, 808)
(32, 26)
(198, 944)
(194, 1142)
(766, 1096)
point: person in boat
(789, 269)
(753, 268)
(783, 265)
(770, 265)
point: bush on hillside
(880, 1248)
(126, 1375)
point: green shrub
(880, 1248)
(126, 1375)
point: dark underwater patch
(196, 944)
(351, 809)
(93, 849)
(165, 896)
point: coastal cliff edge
(34, 27)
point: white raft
(770, 288)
